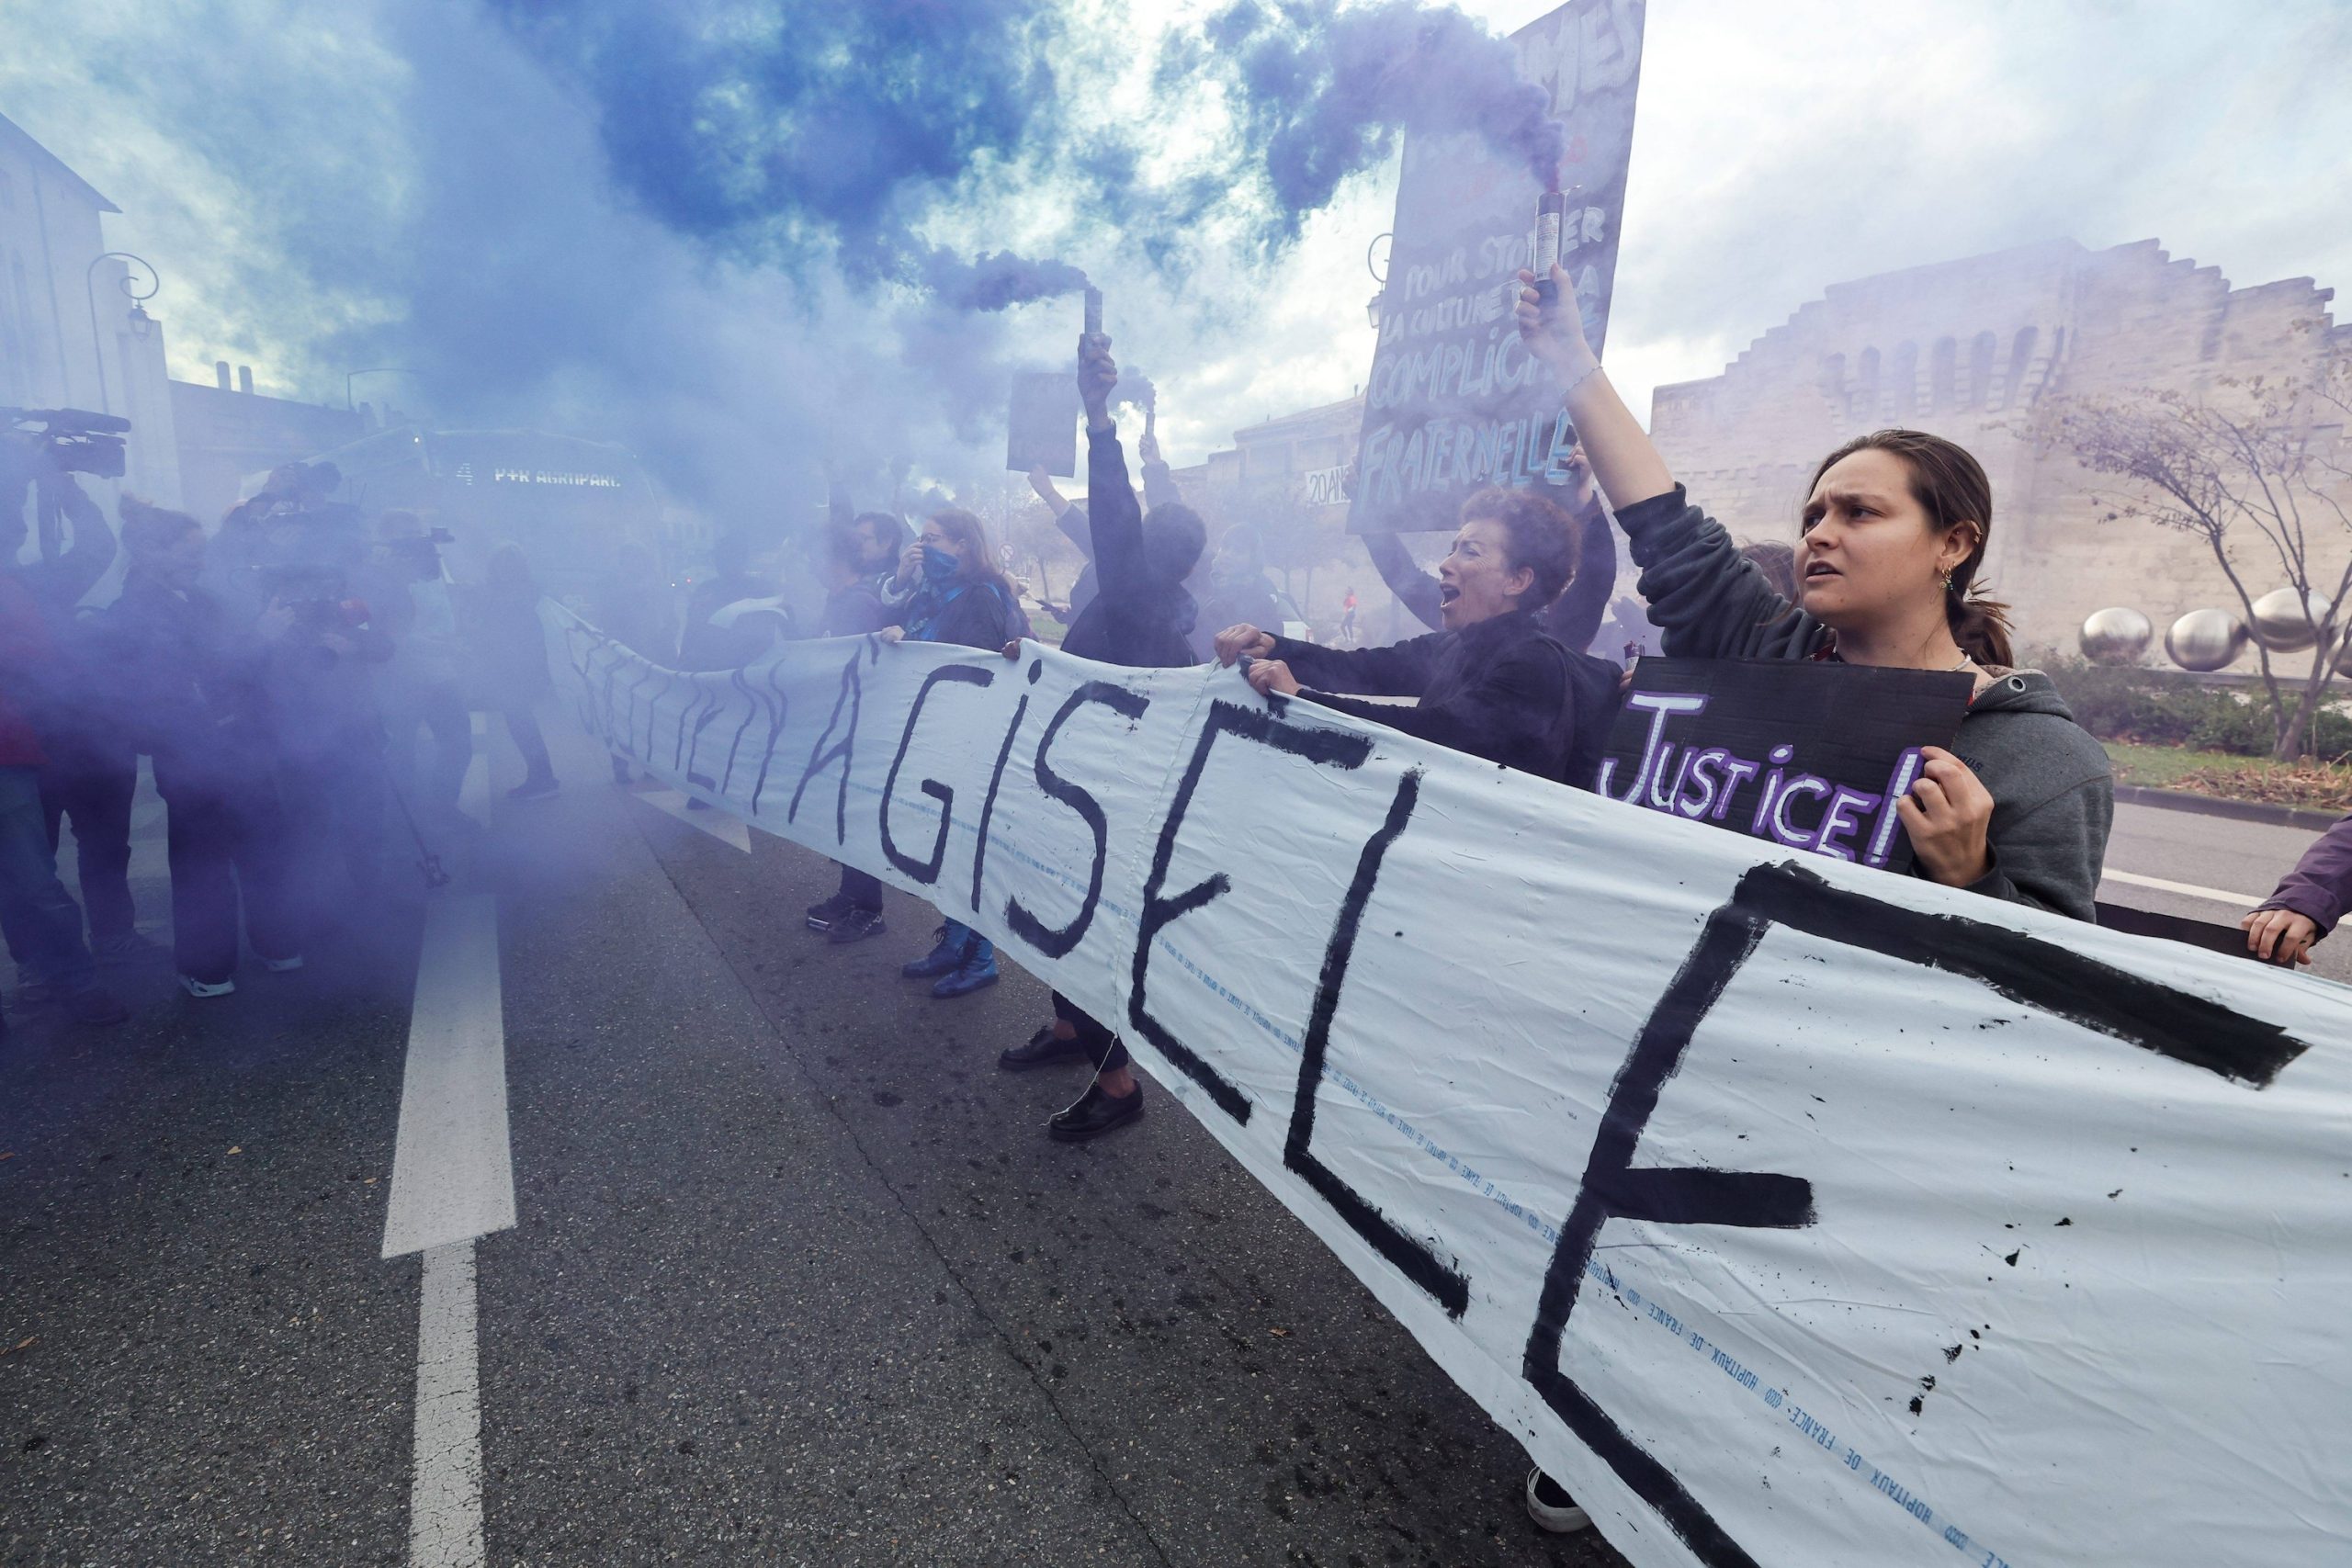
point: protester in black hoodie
(1142, 617)
(1495, 682)
(198, 683)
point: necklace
(1964, 662)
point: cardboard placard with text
(1806, 756)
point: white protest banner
(1787, 1209)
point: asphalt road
(795, 1276)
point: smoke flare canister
(1551, 213)
(1093, 311)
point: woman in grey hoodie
(1893, 533)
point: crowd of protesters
(295, 673)
(301, 681)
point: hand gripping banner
(1787, 1209)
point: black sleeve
(1113, 515)
(1709, 600)
(1575, 617)
(1510, 713)
(1071, 520)
(1401, 670)
(1415, 589)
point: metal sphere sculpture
(2203, 640)
(2116, 635)
(2281, 622)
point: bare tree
(2263, 481)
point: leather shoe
(1043, 1047)
(1093, 1114)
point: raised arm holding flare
(1891, 539)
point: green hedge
(2154, 708)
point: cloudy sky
(442, 184)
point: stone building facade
(1972, 350)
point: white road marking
(724, 826)
(452, 1176)
(2186, 889)
(453, 1179)
(445, 1495)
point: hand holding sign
(1946, 815)
(1243, 642)
(1271, 678)
(2281, 936)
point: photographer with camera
(200, 708)
(410, 601)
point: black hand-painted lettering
(1325, 748)
(988, 804)
(1045, 939)
(779, 714)
(1613, 1187)
(735, 746)
(1410, 1256)
(926, 871)
(2040, 973)
(2035, 971)
(822, 756)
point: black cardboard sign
(1454, 403)
(1041, 426)
(1804, 755)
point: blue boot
(976, 972)
(955, 941)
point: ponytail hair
(1950, 486)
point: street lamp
(1376, 261)
(371, 370)
(141, 322)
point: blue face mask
(938, 566)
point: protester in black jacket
(1142, 617)
(962, 597)
(1158, 489)
(200, 710)
(1574, 618)
(1494, 684)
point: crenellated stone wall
(1970, 350)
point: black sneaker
(97, 1008)
(533, 789)
(1549, 1505)
(822, 915)
(1093, 1114)
(1043, 1047)
(856, 925)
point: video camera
(75, 440)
